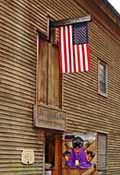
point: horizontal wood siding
(17, 89)
(88, 111)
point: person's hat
(77, 142)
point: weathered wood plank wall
(87, 110)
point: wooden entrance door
(53, 153)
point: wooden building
(38, 106)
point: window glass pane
(102, 143)
(102, 162)
(103, 87)
(102, 173)
(102, 77)
(102, 73)
(102, 147)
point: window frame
(106, 78)
(100, 168)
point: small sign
(28, 156)
(50, 118)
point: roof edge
(110, 6)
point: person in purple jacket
(77, 158)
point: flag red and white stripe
(73, 57)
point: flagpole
(53, 24)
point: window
(102, 78)
(102, 153)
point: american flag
(74, 49)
